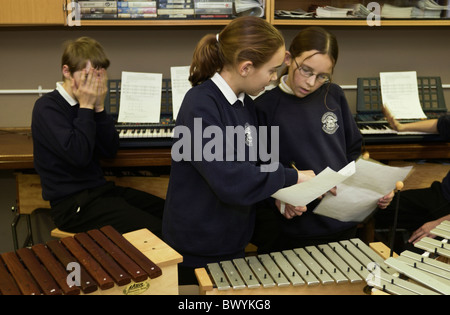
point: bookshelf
(307, 4)
(164, 22)
(55, 12)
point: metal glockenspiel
(334, 268)
(420, 274)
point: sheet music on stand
(140, 97)
(400, 94)
(179, 77)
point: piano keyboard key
(127, 133)
(371, 128)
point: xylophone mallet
(398, 186)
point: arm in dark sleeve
(443, 126)
(107, 137)
(353, 136)
(71, 140)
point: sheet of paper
(140, 97)
(303, 193)
(400, 94)
(358, 195)
(179, 77)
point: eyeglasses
(307, 73)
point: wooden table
(16, 152)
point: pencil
(293, 166)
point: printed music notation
(180, 85)
(140, 97)
(400, 94)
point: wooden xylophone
(430, 275)
(99, 261)
(334, 268)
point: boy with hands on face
(71, 132)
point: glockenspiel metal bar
(247, 275)
(371, 254)
(436, 243)
(366, 261)
(418, 275)
(261, 273)
(389, 287)
(423, 244)
(444, 225)
(273, 270)
(218, 276)
(349, 273)
(329, 267)
(429, 261)
(314, 266)
(233, 275)
(356, 265)
(287, 269)
(427, 268)
(301, 268)
(404, 284)
(441, 233)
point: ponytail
(206, 60)
(244, 38)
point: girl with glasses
(317, 129)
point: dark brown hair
(244, 38)
(315, 38)
(78, 52)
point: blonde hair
(245, 38)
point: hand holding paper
(358, 195)
(303, 193)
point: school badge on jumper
(329, 123)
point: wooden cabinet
(32, 12)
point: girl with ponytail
(214, 182)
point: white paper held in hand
(303, 193)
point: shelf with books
(160, 12)
(360, 13)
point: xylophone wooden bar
(151, 268)
(87, 284)
(55, 268)
(43, 278)
(137, 273)
(100, 276)
(24, 280)
(103, 270)
(119, 275)
(7, 284)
